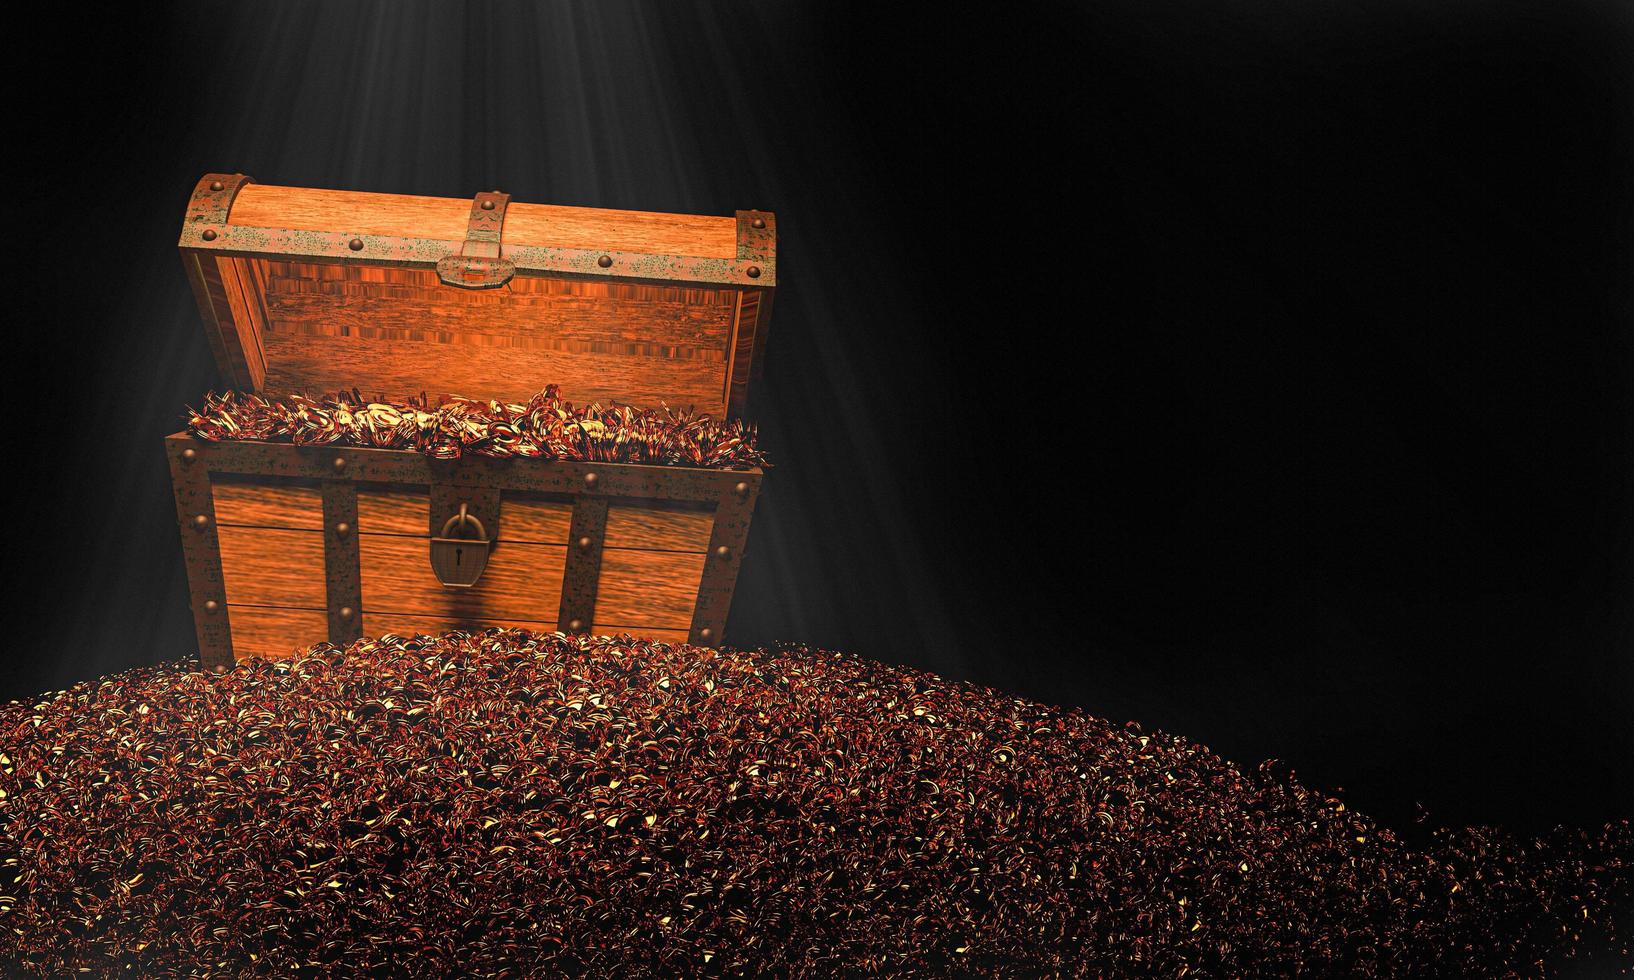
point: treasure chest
(306, 291)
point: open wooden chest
(309, 291)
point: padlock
(458, 562)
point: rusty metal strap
(478, 265)
(582, 574)
(212, 201)
(343, 574)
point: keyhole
(457, 553)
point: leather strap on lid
(478, 265)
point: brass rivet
(201, 522)
(219, 669)
(575, 625)
(343, 529)
(741, 489)
(590, 479)
(209, 234)
(705, 633)
(723, 551)
(584, 542)
(605, 261)
(211, 605)
(340, 462)
(488, 204)
(758, 222)
(215, 185)
(355, 244)
(753, 272)
(189, 454)
(346, 612)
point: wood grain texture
(268, 504)
(446, 218)
(275, 633)
(658, 528)
(272, 567)
(523, 518)
(245, 289)
(393, 510)
(657, 588)
(527, 307)
(273, 554)
(534, 519)
(399, 368)
(233, 339)
(401, 331)
(522, 581)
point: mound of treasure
(535, 804)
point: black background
(1261, 372)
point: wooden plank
(268, 504)
(534, 519)
(272, 567)
(244, 298)
(524, 519)
(652, 527)
(355, 296)
(658, 588)
(522, 581)
(217, 324)
(233, 353)
(398, 368)
(412, 216)
(392, 510)
(664, 333)
(263, 631)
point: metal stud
(188, 455)
(584, 542)
(488, 204)
(346, 613)
(209, 234)
(343, 529)
(215, 185)
(590, 479)
(219, 669)
(211, 605)
(201, 521)
(705, 633)
(741, 489)
(340, 462)
(758, 223)
(355, 244)
(723, 551)
(753, 272)
(605, 261)
(575, 625)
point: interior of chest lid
(313, 291)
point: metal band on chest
(478, 265)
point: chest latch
(478, 265)
(460, 553)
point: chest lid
(310, 291)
